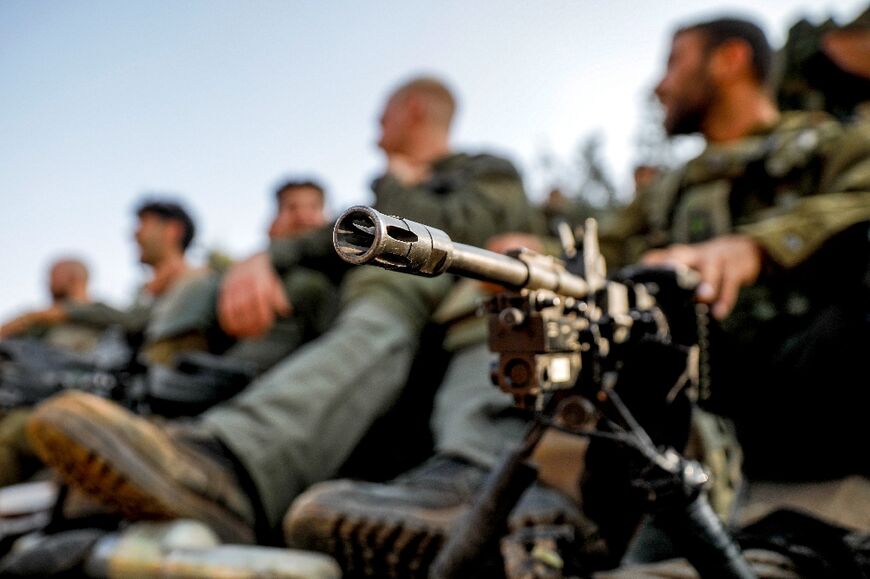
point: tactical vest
(735, 184)
(741, 183)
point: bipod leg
(480, 529)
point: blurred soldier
(825, 67)
(774, 216)
(67, 283)
(191, 316)
(243, 462)
(645, 175)
(301, 205)
(163, 233)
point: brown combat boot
(396, 529)
(145, 471)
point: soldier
(191, 317)
(825, 67)
(242, 462)
(67, 283)
(768, 214)
(773, 205)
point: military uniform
(783, 365)
(192, 313)
(135, 319)
(70, 336)
(97, 314)
(300, 421)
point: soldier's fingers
(727, 295)
(244, 319)
(280, 303)
(673, 255)
(654, 257)
(712, 270)
(240, 311)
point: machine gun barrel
(363, 235)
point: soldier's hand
(505, 242)
(15, 326)
(251, 297)
(725, 263)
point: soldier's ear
(732, 60)
(416, 104)
(176, 230)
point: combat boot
(140, 469)
(396, 529)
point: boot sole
(99, 462)
(364, 546)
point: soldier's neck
(739, 113)
(166, 272)
(79, 296)
(429, 147)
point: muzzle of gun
(363, 235)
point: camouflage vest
(738, 183)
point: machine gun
(617, 360)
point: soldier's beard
(688, 113)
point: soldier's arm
(842, 199)
(313, 250)
(790, 239)
(252, 295)
(132, 320)
(21, 325)
(787, 237)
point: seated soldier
(192, 316)
(241, 463)
(67, 283)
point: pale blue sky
(214, 101)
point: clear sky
(213, 101)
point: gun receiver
(548, 322)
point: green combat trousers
(472, 418)
(298, 423)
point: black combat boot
(396, 529)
